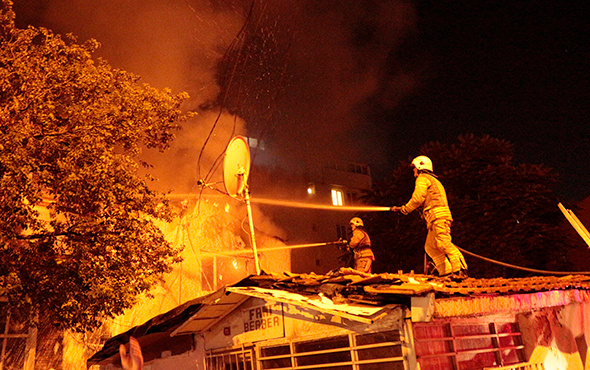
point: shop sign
(263, 321)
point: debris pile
(347, 283)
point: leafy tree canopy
(502, 210)
(77, 237)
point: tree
(501, 210)
(78, 241)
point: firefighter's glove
(343, 244)
(401, 209)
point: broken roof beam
(576, 223)
(363, 314)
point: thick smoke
(170, 44)
(312, 73)
(304, 75)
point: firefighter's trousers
(363, 264)
(440, 248)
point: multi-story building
(322, 189)
(310, 210)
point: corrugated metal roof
(211, 312)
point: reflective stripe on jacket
(429, 193)
(360, 243)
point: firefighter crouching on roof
(360, 244)
(430, 194)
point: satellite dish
(236, 166)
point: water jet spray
(284, 203)
(238, 253)
(236, 169)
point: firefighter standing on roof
(430, 194)
(360, 243)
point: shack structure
(350, 320)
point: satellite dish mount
(236, 168)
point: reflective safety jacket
(360, 243)
(429, 193)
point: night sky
(361, 80)
(514, 70)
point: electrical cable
(216, 163)
(546, 272)
(230, 49)
(240, 61)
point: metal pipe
(250, 221)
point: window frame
(247, 353)
(337, 197)
(353, 349)
(451, 341)
(9, 333)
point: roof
(151, 331)
(347, 285)
(345, 292)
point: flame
(206, 225)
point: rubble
(346, 282)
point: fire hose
(249, 251)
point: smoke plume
(304, 76)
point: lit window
(252, 142)
(311, 189)
(336, 197)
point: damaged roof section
(355, 296)
(347, 285)
(157, 331)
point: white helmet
(356, 222)
(422, 162)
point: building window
(235, 359)
(13, 341)
(467, 346)
(255, 143)
(310, 189)
(277, 357)
(350, 198)
(355, 352)
(331, 351)
(341, 232)
(351, 167)
(337, 198)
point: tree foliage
(502, 210)
(77, 237)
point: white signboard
(263, 322)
